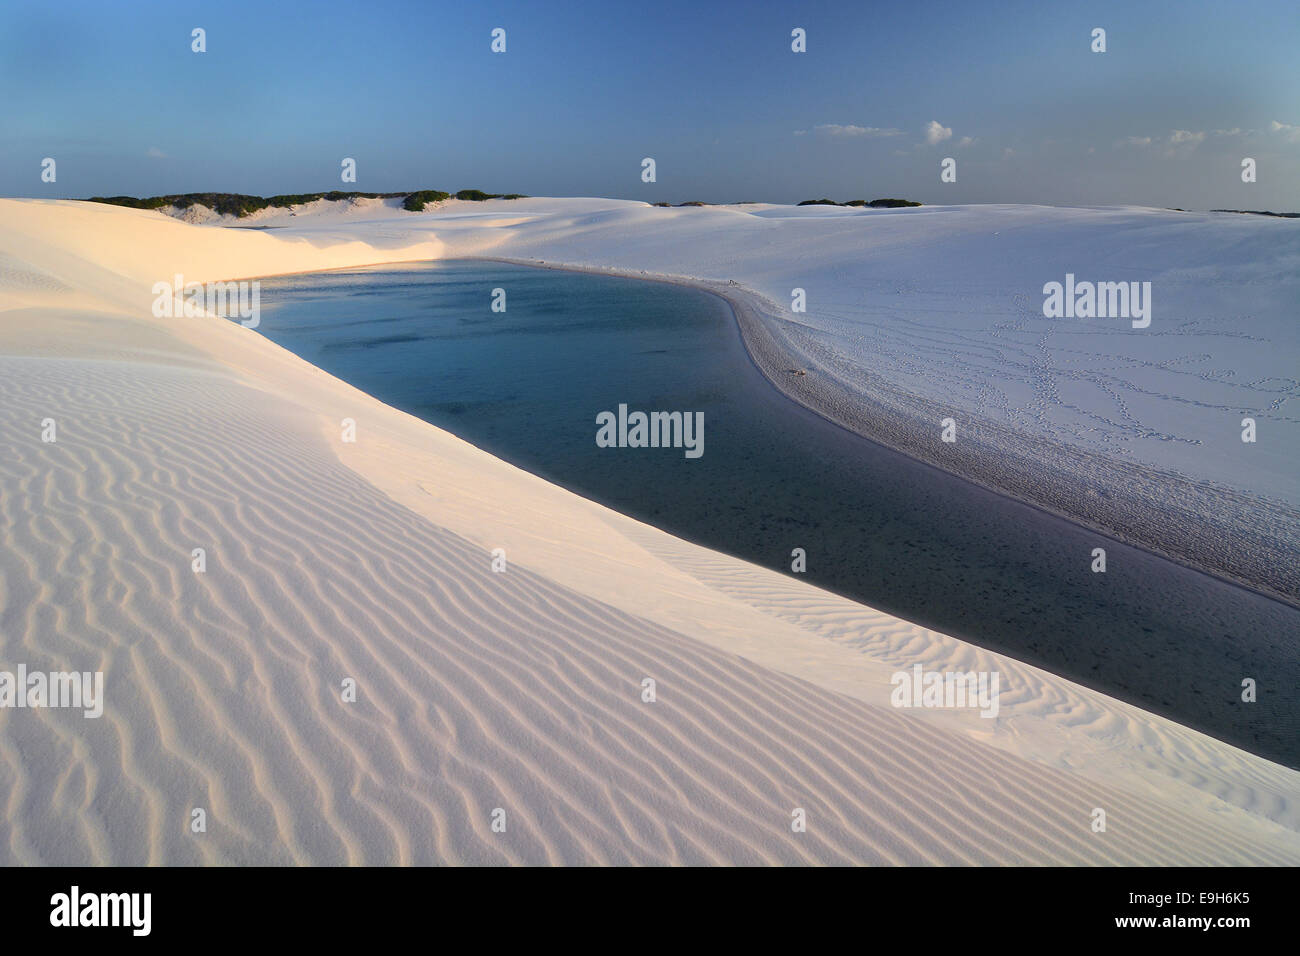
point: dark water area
(527, 385)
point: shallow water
(527, 385)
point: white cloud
(1008, 152)
(1290, 133)
(966, 141)
(836, 129)
(1180, 142)
(935, 133)
(1177, 139)
(155, 153)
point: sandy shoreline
(911, 427)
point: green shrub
(859, 203)
(1260, 212)
(418, 200)
(234, 204)
(891, 203)
(157, 202)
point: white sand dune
(477, 691)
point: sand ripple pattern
(476, 690)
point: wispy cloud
(1179, 140)
(1289, 133)
(849, 130)
(155, 153)
(1182, 141)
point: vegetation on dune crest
(234, 204)
(417, 201)
(241, 205)
(860, 203)
(891, 203)
(1260, 212)
(478, 195)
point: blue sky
(712, 91)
